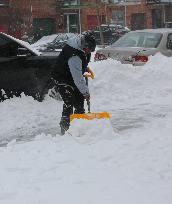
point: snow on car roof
(45, 39)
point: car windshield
(139, 39)
(63, 37)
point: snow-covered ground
(126, 160)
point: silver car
(135, 47)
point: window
(71, 24)
(139, 39)
(118, 17)
(8, 48)
(70, 2)
(169, 41)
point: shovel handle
(88, 104)
(88, 101)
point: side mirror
(23, 52)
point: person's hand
(91, 72)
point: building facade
(135, 14)
(42, 17)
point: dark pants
(73, 99)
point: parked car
(22, 69)
(136, 46)
(111, 33)
(52, 43)
(42, 43)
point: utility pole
(99, 23)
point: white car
(135, 47)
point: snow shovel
(90, 115)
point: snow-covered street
(126, 160)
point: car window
(139, 39)
(169, 41)
(8, 48)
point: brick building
(4, 15)
(42, 17)
(135, 14)
(18, 17)
(34, 16)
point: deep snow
(126, 160)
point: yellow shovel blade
(90, 116)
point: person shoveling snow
(69, 76)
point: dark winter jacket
(71, 65)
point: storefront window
(71, 24)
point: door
(169, 45)
(17, 71)
(118, 17)
(157, 18)
(8, 64)
(138, 21)
(71, 23)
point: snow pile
(91, 131)
(127, 161)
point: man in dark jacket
(68, 75)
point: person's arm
(75, 66)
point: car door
(169, 45)
(8, 64)
(21, 70)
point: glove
(89, 73)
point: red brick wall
(92, 11)
(4, 19)
(46, 9)
(131, 9)
(30, 9)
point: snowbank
(127, 160)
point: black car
(23, 70)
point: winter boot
(64, 124)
